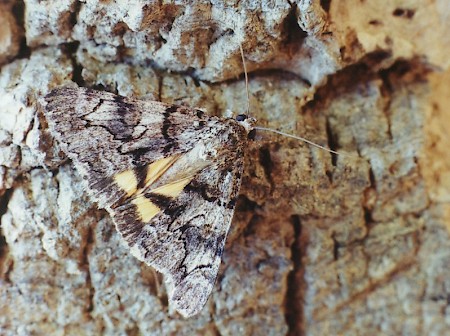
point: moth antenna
(269, 129)
(242, 57)
(246, 79)
(301, 139)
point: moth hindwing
(168, 175)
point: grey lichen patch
(124, 79)
(44, 242)
(200, 38)
(49, 23)
(21, 82)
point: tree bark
(348, 244)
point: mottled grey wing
(186, 239)
(106, 135)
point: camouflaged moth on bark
(168, 175)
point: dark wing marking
(105, 134)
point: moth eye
(241, 117)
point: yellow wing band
(157, 168)
(145, 208)
(173, 189)
(127, 181)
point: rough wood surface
(319, 245)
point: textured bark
(320, 244)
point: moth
(168, 175)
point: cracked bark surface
(320, 244)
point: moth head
(246, 121)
